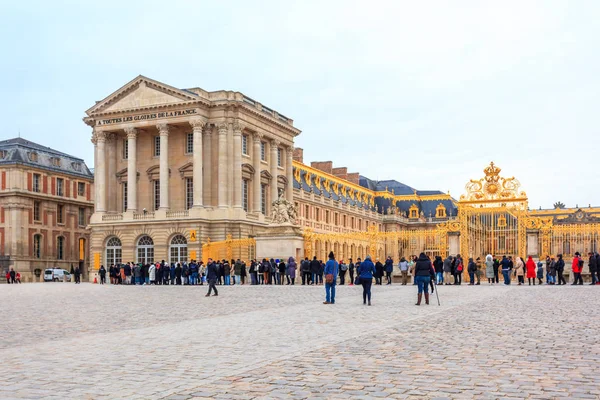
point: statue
(283, 211)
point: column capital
(98, 137)
(198, 123)
(289, 150)
(163, 128)
(222, 128)
(258, 137)
(207, 130)
(237, 128)
(131, 132)
(275, 143)
(111, 137)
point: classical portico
(169, 158)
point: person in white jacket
(152, 274)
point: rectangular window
(80, 189)
(279, 157)
(124, 196)
(263, 152)
(189, 193)
(307, 212)
(60, 245)
(37, 211)
(336, 219)
(352, 223)
(263, 199)
(244, 144)
(344, 220)
(327, 216)
(156, 146)
(156, 195)
(189, 143)
(245, 194)
(60, 212)
(317, 214)
(36, 182)
(81, 216)
(60, 184)
(125, 149)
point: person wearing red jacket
(577, 267)
(531, 270)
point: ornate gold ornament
(493, 188)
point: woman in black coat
(378, 272)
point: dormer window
(440, 211)
(76, 166)
(55, 161)
(33, 157)
(413, 211)
(3, 154)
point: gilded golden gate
(228, 249)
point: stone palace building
(176, 169)
(45, 206)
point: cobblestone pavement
(92, 342)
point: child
(540, 271)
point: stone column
(223, 164)
(256, 180)
(230, 163)
(289, 174)
(131, 169)
(197, 125)
(208, 167)
(163, 129)
(274, 171)
(111, 193)
(100, 173)
(237, 165)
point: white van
(57, 275)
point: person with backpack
(458, 270)
(343, 269)
(331, 272)
(577, 266)
(447, 267)
(403, 271)
(315, 265)
(305, 270)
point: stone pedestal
(283, 241)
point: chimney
(325, 166)
(298, 154)
(340, 172)
(354, 177)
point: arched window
(145, 250)
(37, 246)
(60, 248)
(113, 251)
(178, 249)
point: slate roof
(18, 151)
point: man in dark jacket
(389, 268)
(212, 272)
(560, 269)
(379, 272)
(505, 263)
(496, 267)
(593, 265)
(305, 268)
(315, 266)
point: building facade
(178, 168)
(45, 206)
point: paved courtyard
(93, 342)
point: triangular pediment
(141, 93)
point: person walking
(489, 269)
(520, 271)
(365, 272)
(423, 269)
(351, 271)
(593, 266)
(403, 271)
(389, 268)
(212, 273)
(77, 274)
(577, 267)
(331, 273)
(102, 273)
(531, 270)
(560, 270)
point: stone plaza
(66, 341)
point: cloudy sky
(427, 93)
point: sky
(426, 93)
